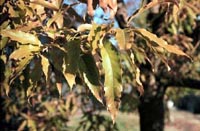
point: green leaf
(3, 42)
(72, 58)
(113, 87)
(22, 37)
(130, 63)
(91, 75)
(159, 41)
(35, 71)
(94, 37)
(56, 61)
(68, 59)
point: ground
(180, 121)
(183, 121)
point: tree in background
(180, 28)
(47, 45)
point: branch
(185, 82)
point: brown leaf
(149, 5)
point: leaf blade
(91, 75)
(113, 88)
(22, 37)
(160, 42)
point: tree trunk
(151, 113)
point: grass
(124, 122)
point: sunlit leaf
(92, 32)
(124, 38)
(58, 18)
(13, 12)
(45, 4)
(70, 79)
(159, 41)
(58, 3)
(28, 26)
(84, 27)
(22, 126)
(22, 37)
(113, 87)
(91, 75)
(175, 14)
(137, 75)
(59, 87)
(45, 66)
(29, 92)
(149, 5)
(22, 56)
(94, 37)
(120, 37)
(31, 124)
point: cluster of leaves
(37, 35)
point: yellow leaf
(120, 36)
(159, 41)
(94, 37)
(70, 79)
(45, 4)
(140, 87)
(175, 14)
(137, 75)
(58, 18)
(84, 27)
(22, 37)
(45, 66)
(59, 87)
(22, 56)
(112, 85)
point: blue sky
(100, 17)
